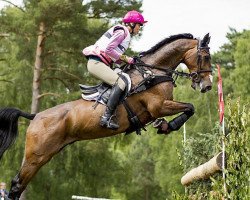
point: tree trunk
(37, 77)
(38, 69)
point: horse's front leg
(169, 108)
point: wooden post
(203, 171)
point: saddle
(101, 92)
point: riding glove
(127, 59)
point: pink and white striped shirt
(111, 45)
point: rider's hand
(127, 59)
(137, 59)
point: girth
(150, 81)
(135, 123)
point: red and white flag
(220, 95)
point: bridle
(195, 76)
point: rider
(110, 49)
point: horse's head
(198, 61)
(183, 48)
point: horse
(51, 130)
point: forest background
(122, 167)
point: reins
(174, 74)
(194, 76)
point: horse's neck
(170, 55)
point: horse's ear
(205, 41)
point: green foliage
(238, 153)
(168, 173)
(226, 54)
(240, 78)
(112, 8)
(142, 163)
(237, 150)
(11, 82)
(234, 58)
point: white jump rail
(89, 198)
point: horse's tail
(9, 126)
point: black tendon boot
(107, 120)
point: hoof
(14, 195)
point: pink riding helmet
(134, 17)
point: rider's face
(137, 28)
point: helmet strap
(132, 26)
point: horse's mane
(167, 41)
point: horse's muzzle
(205, 86)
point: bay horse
(51, 130)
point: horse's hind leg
(19, 183)
(31, 164)
(39, 149)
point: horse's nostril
(207, 88)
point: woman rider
(110, 49)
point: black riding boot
(107, 120)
